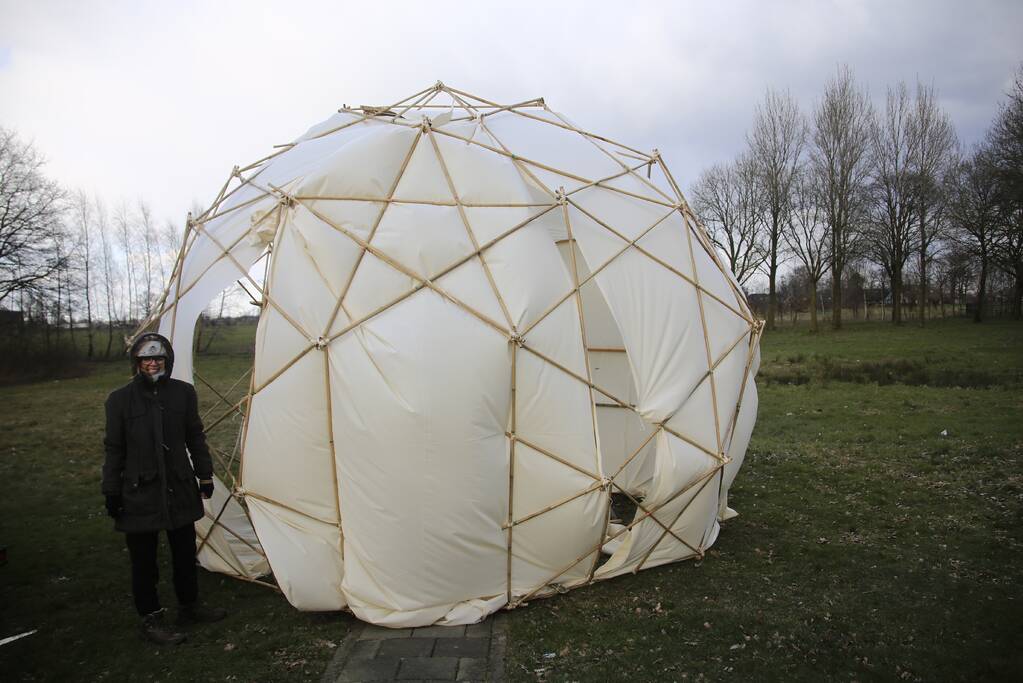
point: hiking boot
(197, 613)
(156, 630)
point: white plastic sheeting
(478, 324)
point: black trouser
(144, 571)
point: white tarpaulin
(480, 326)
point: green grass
(67, 571)
(869, 545)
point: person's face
(152, 366)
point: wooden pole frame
(631, 161)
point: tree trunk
(813, 306)
(836, 302)
(923, 270)
(1017, 295)
(897, 296)
(978, 310)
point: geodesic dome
(497, 358)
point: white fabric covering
(426, 375)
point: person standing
(149, 484)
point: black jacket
(149, 426)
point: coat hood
(142, 339)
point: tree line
(75, 271)
(852, 191)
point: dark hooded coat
(151, 428)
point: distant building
(11, 318)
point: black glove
(206, 488)
(115, 506)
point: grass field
(880, 537)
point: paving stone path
(431, 653)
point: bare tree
(30, 208)
(110, 271)
(892, 193)
(85, 252)
(841, 159)
(806, 234)
(150, 254)
(1006, 143)
(727, 199)
(123, 223)
(933, 158)
(973, 211)
(776, 146)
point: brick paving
(431, 653)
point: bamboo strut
(252, 297)
(236, 207)
(552, 456)
(660, 262)
(372, 232)
(333, 455)
(511, 472)
(468, 230)
(600, 182)
(717, 507)
(244, 578)
(545, 167)
(603, 535)
(695, 444)
(706, 343)
(596, 548)
(693, 224)
(195, 281)
(258, 582)
(424, 282)
(418, 202)
(245, 433)
(630, 171)
(364, 117)
(266, 499)
(422, 101)
(218, 455)
(652, 516)
(233, 409)
(578, 377)
(258, 551)
(706, 480)
(553, 123)
(425, 100)
(179, 267)
(730, 429)
(222, 397)
(636, 452)
(582, 335)
(219, 395)
(213, 526)
(592, 275)
(265, 294)
(709, 372)
(220, 195)
(553, 506)
(581, 132)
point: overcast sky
(159, 100)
